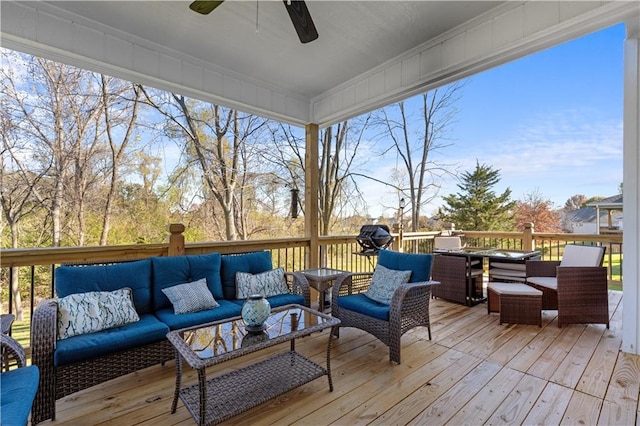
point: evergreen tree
(477, 207)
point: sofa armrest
(12, 352)
(298, 284)
(541, 268)
(44, 326)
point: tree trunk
(15, 282)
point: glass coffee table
(213, 400)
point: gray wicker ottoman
(517, 303)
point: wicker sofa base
(75, 377)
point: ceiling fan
(297, 9)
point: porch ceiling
(367, 54)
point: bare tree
(57, 119)
(216, 139)
(414, 141)
(338, 155)
(124, 115)
(16, 194)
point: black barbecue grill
(373, 238)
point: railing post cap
(176, 228)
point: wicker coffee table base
(230, 394)
(216, 399)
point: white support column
(631, 187)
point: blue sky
(551, 122)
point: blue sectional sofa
(70, 364)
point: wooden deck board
(474, 371)
(519, 402)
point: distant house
(598, 217)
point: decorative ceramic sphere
(255, 311)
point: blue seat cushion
(18, 388)
(253, 263)
(226, 310)
(418, 264)
(169, 271)
(363, 305)
(82, 279)
(86, 346)
(279, 300)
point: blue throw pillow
(253, 263)
(418, 264)
(82, 279)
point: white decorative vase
(255, 311)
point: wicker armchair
(19, 383)
(409, 307)
(576, 286)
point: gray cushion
(253, 263)
(190, 297)
(514, 289)
(549, 282)
(82, 313)
(269, 283)
(385, 282)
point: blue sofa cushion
(418, 264)
(81, 279)
(226, 310)
(173, 270)
(279, 300)
(362, 304)
(253, 263)
(18, 389)
(86, 346)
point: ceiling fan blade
(301, 19)
(204, 7)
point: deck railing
(35, 278)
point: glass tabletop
(224, 337)
(490, 252)
(322, 273)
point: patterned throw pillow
(269, 283)
(384, 283)
(190, 297)
(93, 311)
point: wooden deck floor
(474, 371)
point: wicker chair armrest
(541, 268)
(12, 351)
(411, 290)
(581, 276)
(351, 283)
(298, 284)
(44, 326)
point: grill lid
(373, 238)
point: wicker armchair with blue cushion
(18, 385)
(388, 302)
